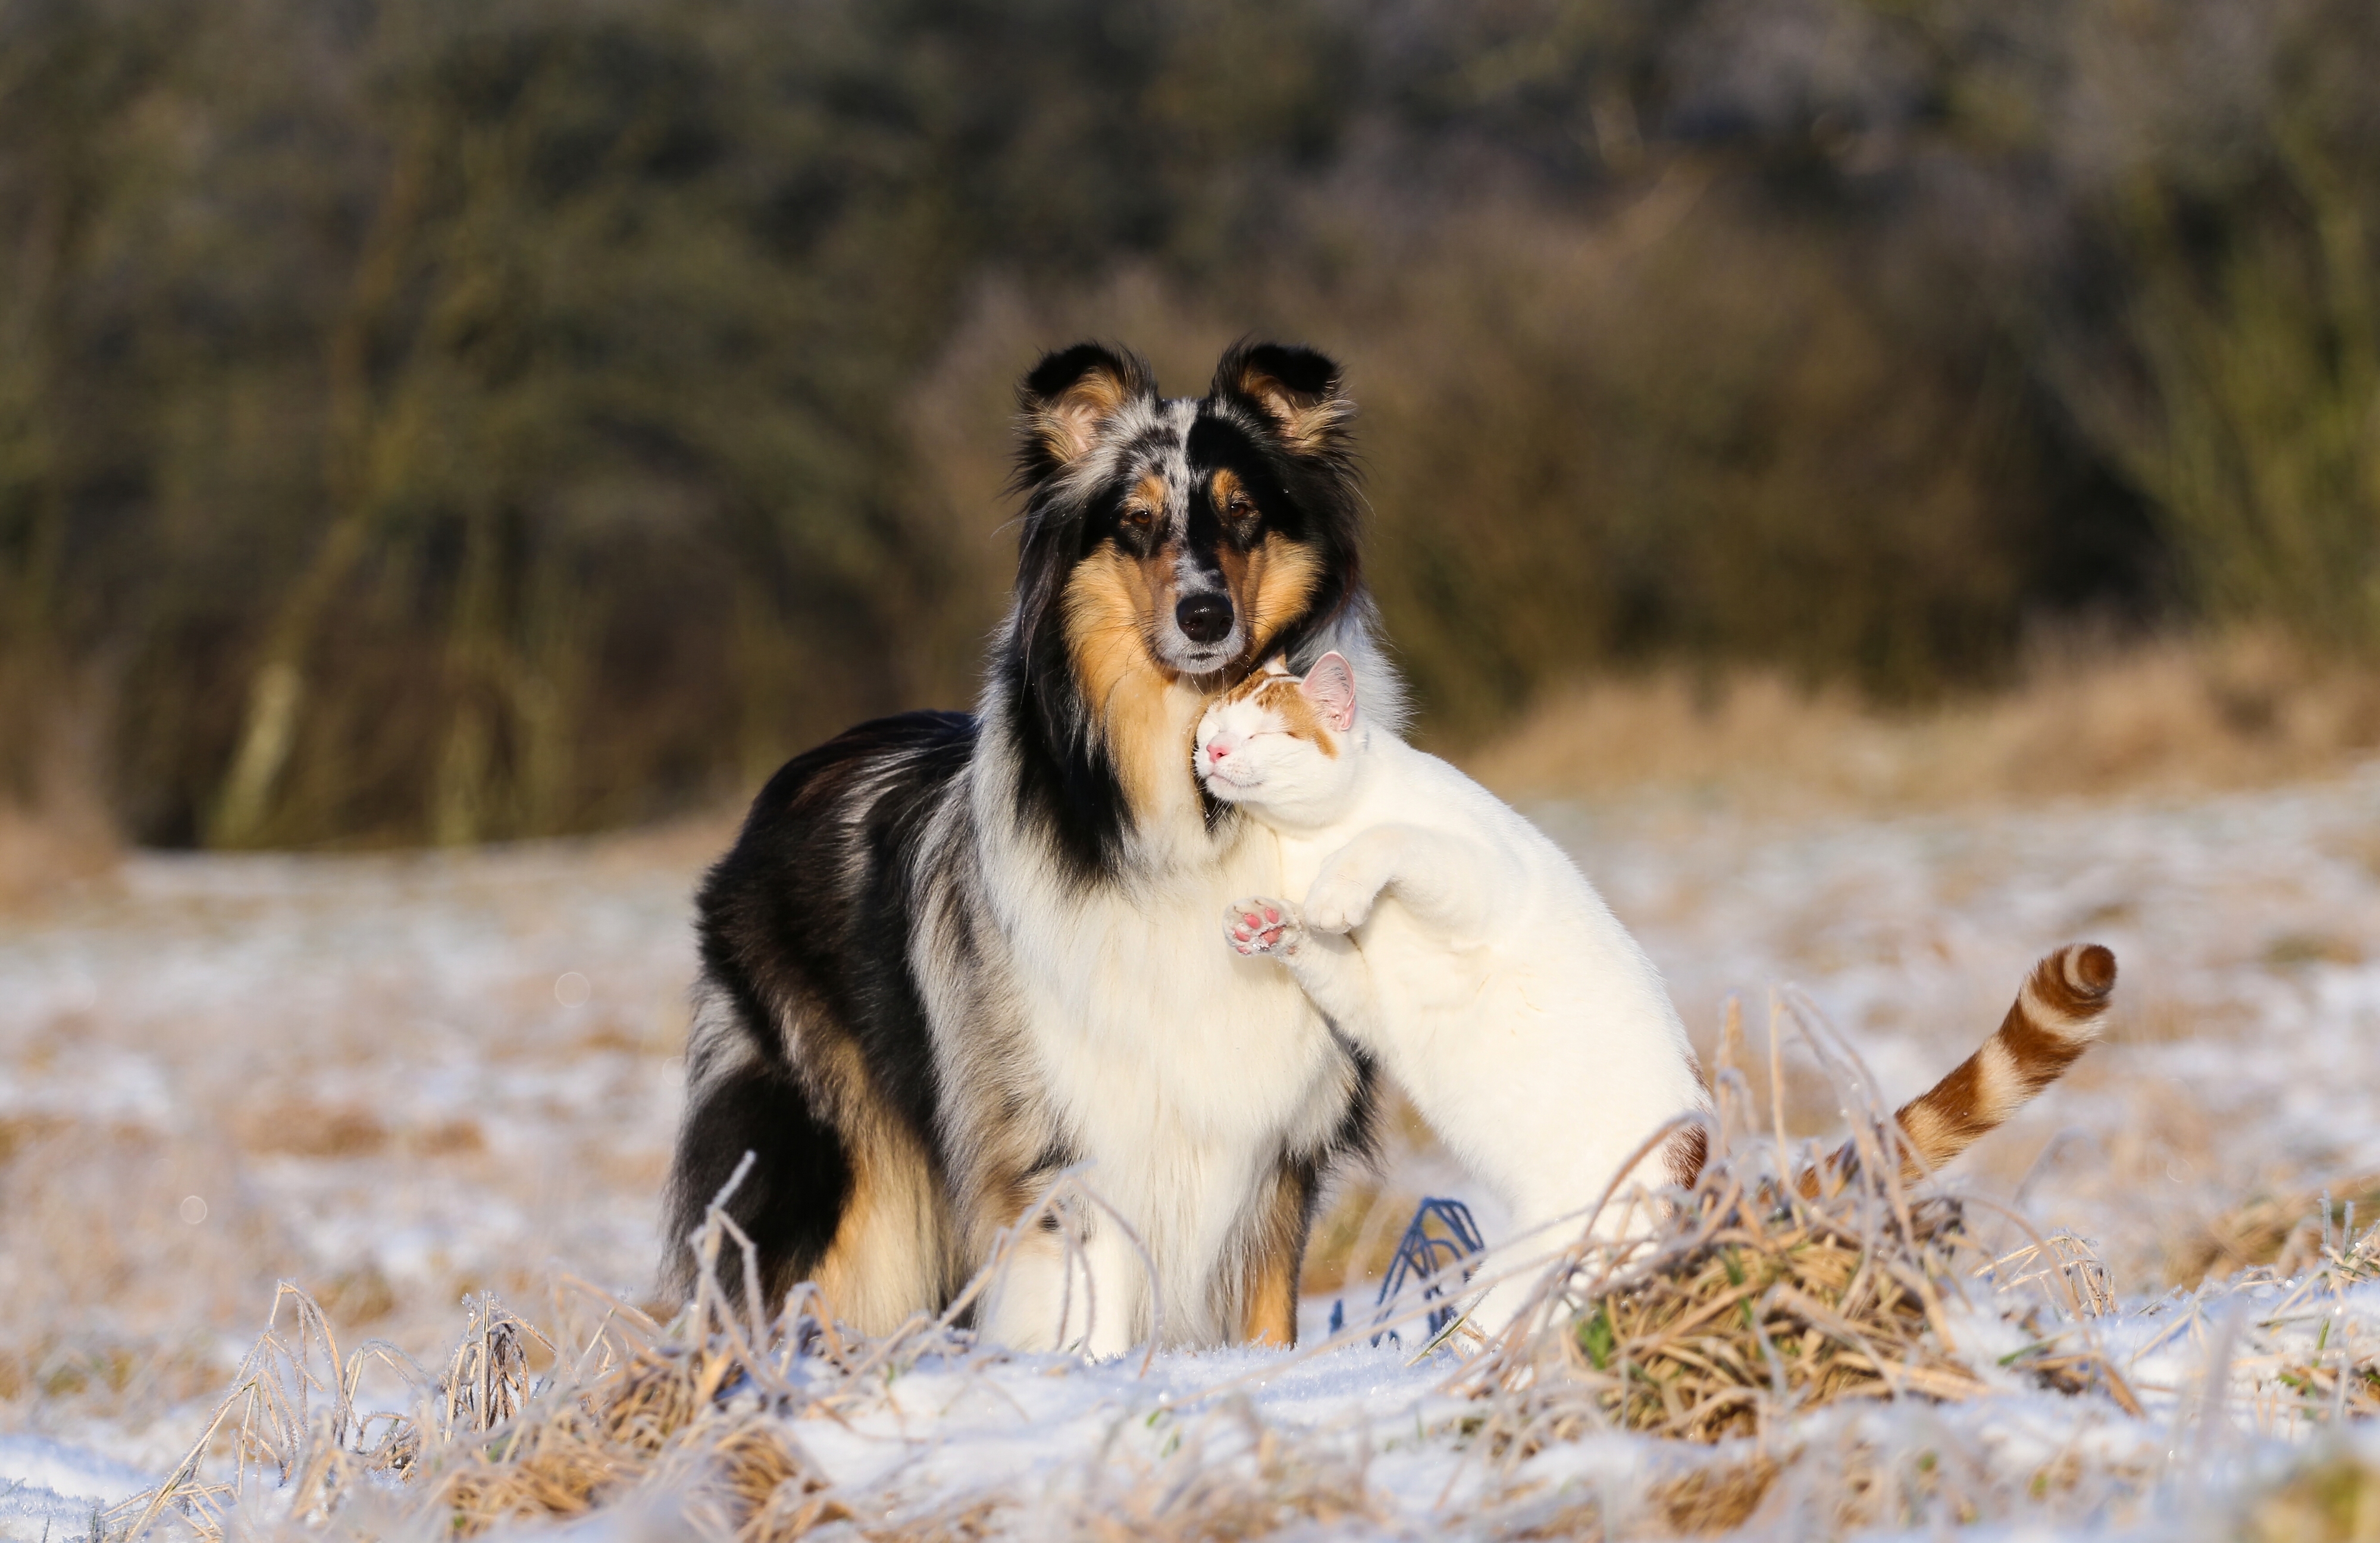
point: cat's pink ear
(1331, 686)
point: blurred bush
(2246, 220)
(431, 420)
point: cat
(1446, 935)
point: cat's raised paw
(1336, 906)
(1259, 925)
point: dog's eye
(1136, 517)
(1240, 506)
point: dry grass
(2171, 715)
(2286, 1383)
(353, 1074)
(699, 1418)
(296, 1114)
(2282, 1232)
(700, 1410)
(1755, 1329)
(1754, 1299)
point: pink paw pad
(1254, 927)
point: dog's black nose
(1204, 617)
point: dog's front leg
(1074, 1286)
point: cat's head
(1282, 746)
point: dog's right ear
(1068, 398)
(1297, 391)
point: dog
(950, 958)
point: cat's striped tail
(2054, 1020)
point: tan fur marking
(1148, 493)
(1929, 1131)
(1109, 601)
(1069, 423)
(1684, 1154)
(1307, 426)
(1282, 576)
(1999, 1083)
(1271, 1316)
(883, 1253)
(1269, 1294)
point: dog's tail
(2056, 1017)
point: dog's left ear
(1295, 389)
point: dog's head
(1221, 525)
(1173, 541)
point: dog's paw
(1336, 906)
(1258, 925)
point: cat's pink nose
(1216, 750)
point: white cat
(1448, 936)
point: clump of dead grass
(2284, 1231)
(1771, 1316)
(1776, 1286)
(1753, 1306)
(700, 1411)
(697, 1417)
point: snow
(48, 1488)
(363, 1066)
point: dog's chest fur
(1177, 1071)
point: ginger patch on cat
(1282, 696)
(1286, 700)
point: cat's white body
(1448, 936)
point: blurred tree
(431, 420)
(63, 75)
(2246, 217)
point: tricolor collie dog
(950, 957)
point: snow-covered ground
(398, 1080)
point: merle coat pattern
(950, 956)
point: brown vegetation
(2173, 717)
(1776, 1286)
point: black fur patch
(791, 1201)
(805, 925)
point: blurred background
(429, 422)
